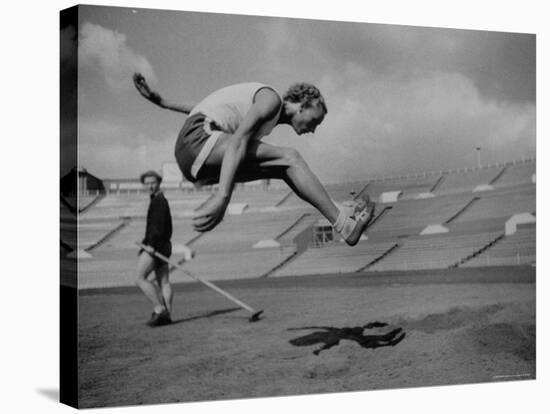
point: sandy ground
(445, 327)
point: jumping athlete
(220, 142)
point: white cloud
(377, 125)
(277, 34)
(106, 51)
(105, 149)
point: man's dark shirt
(159, 225)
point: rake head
(255, 317)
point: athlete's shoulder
(268, 101)
(267, 93)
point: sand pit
(452, 327)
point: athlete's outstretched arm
(143, 88)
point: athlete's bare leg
(265, 161)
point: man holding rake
(158, 232)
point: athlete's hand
(210, 215)
(143, 88)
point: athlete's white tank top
(227, 107)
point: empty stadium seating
(116, 267)
(516, 249)
(243, 231)
(473, 221)
(501, 203)
(133, 231)
(258, 199)
(467, 181)
(235, 265)
(182, 203)
(409, 187)
(115, 206)
(335, 258)
(516, 174)
(433, 252)
(90, 233)
(135, 205)
(411, 216)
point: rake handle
(205, 282)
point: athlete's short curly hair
(306, 94)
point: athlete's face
(307, 119)
(151, 184)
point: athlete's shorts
(195, 142)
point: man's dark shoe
(160, 319)
(153, 317)
(167, 317)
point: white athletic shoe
(355, 216)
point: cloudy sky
(400, 98)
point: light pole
(478, 149)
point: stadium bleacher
(132, 232)
(90, 233)
(409, 187)
(336, 258)
(473, 220)
(411, 216)
(116, 267)
(501, 203)
(433, 252)
(243, 231)
(517, 174)
(116, 206)
(467, 181)
(258, 199)
(182, 204)
(517, 249)
(235, 265)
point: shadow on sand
(331, 337)
(205, 315)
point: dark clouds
(501, 65)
